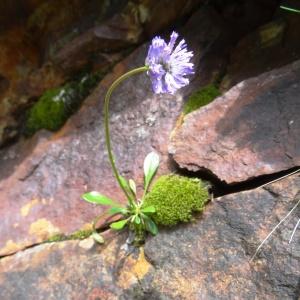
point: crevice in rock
(78, 235)
(220, 188)
(21, 250)
(61, 237)
(58, 239)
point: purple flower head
(168, 67)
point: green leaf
(149, 209)
(118, 225)
(137, 220)
(132, 186)
(151, 164)
(95, 197)
(124, 182)
(151, 226)
(117, 210)
(97, 237)
(126, 185)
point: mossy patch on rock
(175, 198)
(200, 98)
(80, 234)
(56, 105)
(56, 238)
(77, 235)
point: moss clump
(46, 113)
(201, 98)
(56, 105)
(175, 198)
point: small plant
(136, 214)
(167, 67)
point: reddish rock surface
(208, 259)
(251, 130)
(71, 270)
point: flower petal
(168, 66)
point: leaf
(118, 225)
(117, 210)
(97, 237)
(95, 197)
(151, 226)
(151, 164)
(126, 185)
(149, 209)
(137, 220)
(124, 182)
(132, 186)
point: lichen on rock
(175, 198)
(200, 98)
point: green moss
(80, 234)
(77, 235)
(56, 238)
(175, 198)
(56, 105)
(201, 98)
(46, 113)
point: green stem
(106, 122)
(290, 9)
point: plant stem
(106, 122)
(290, 9)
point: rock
(42, 178)
(12, 70)
(21, 79)
(210, 258)
(251, 130)
(66, 270)
(15, 12)
(244, 16)
(207, 259)
(270, 46)
(130, 25)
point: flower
(168, 66)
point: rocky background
(68, 52)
